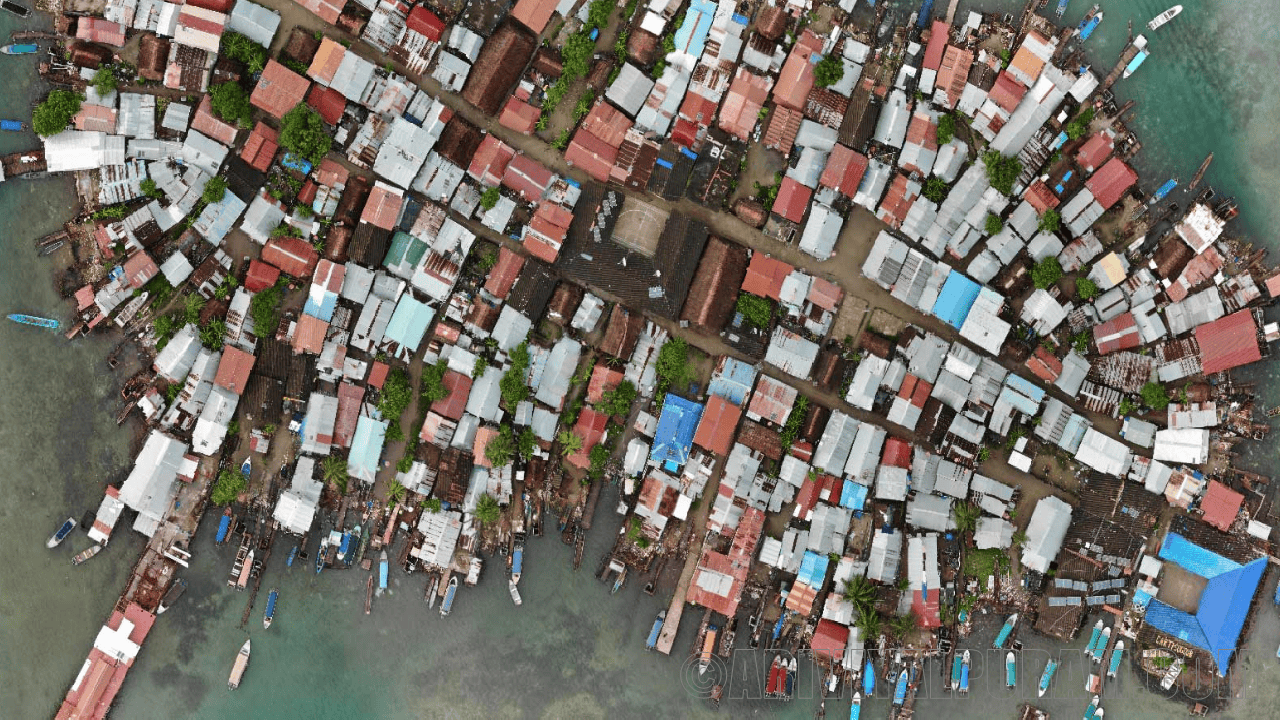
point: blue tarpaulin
(955, 300)
(674, 436)
(663, 163)
(853, 496)
(293, 162)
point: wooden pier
(1126, 55)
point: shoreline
(195, 493)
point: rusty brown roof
(501, 62)
(714, 290)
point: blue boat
(652, 641)
(1160, 194)
(1005, 631)
(964, 674)
(956, 663)
(1090, 712)
(35, 321)
(856, 708)
(224, 527)
(271, 608)
(345, 547)
(926, 10)
(869, 679)
(517, 561)
(449, 594)
(791, 679)
(246, 467)
(12, 125)
(1010, 670)
(1139, 42)
(382, 571)
(20, 49)
(1116, 656)
(292, 554)
(1088, 26)
(1046, 677)
(62, 533)
(1062, 7)
(900, 692)
(777, 627)
(1093, 639)
(324, 546)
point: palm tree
(487, 510)
(869, 623)
(1019, 538)
(860, 593)
(903, 624)
(966, 517)
(334, 470)
(396, 492)
(569, 443)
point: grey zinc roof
(485, 395)
(891, 128)
(837, 439)
(930, 512)
(926, 354)
(821, 231)
(352, 76)
(983, 485)
(511, 329)
(254, 22)
(886, 554)
(1074, 370)
(952, 480)
(951, 390)
(891, 483)
(630, 89)
(403, 152)
(176, 117)
(203, 152)
(1045, 533)
(993, 533)
(561, 364)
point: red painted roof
(534, 14)
(1221, 505)
(793, 200)
(378, 374)
(308, 336)
(1041, 197)
(233, 369)
(261, 276)
(796, 79)
(329, 275)
(279, 89)
(765, 275)
(593, 155)
(897, 452)
(424, 22)
(350, 398)
(926, 608)
(1109, 184)
(747, 93)
(260, 149)
(540, 248)
(844, 170)
(504, 273)
(736, 564)
(897, 202)
(328, 102)
(937, 43)
(719, 421)
(332, 173)
(382, 209)
(1095, 151)
(1119, 333)
(100, 30)
(294, 256)
(222, 6)
(1228, 342)
(139, 269)
(772, 400)
(1044, 365)
(590, 427)
(490, 161)
(830, 638)
(603, 379)
(527, 177)
(206, 122)
(1007, 91)
(607, 123)
(519, 116)
(954, 72)
(455, 404)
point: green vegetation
(513, 387)
(302, 133)
(396, 491)
(984, 452)
(111, 212)
(860, 593)
(239, 47)
(1002, 171)
(214, 190)
(228, 487)
(1019, 538)
(1080, 342)
(334, 470)
(935, 189)
(191, 307)
(673, 364)
(172, 392)
(946, 128)
(212, 333)
(526, 443)
(569, 442)
(1127, 406)
(149, 188)
(54, 114)
(994, 224)
(598, 13)
(966, 517)
(1080, 125)
(1050, 221)
(1154, 396)
(1086, 289)
(982, 563)
(104, 81)
(1046, 272)
(828, 71)
(791, 429)
(576, 56)
(233, 427)
(264, 308)
(489, 198)
(562, 140)
(432, 505)
(903, 624)
(599, 457)
(481, 365)
(618, 401)
(433, 388)
(584, 105)
(501, 448)
(396, 394)
(487, 510)
(869, 623)
(756, 311)
(230, 102)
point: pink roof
(294, 256)
(504, 273)
(234, 369)
(206, 122)
(792, 200)
(540, 248)
(603, 379)
(1095, 151)
(719, 421)
(279, 89)
(261, 276)
(519, 116)
(590, 427)
(309, 334)
(765, 276)
(1273, 285)
(937, 43)
(261, 147)
(825, 294)
(100, 30)
(534, 14)
(736, 564)
(1111, 182)
(426, 23)
(328, 10)
(84, 297)
(326, 61)
(490, 161)
(1228, 342)
(844, 170)
(483, 436)
(742, 104)
(382, 209)
(954, 72)
(139, 269)
(796, 79)
(350, 397)
(1221, 505)
(592, 154)
(96, 118)
(527, 177)
(1044, 365)
(455, 403)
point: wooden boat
(15, 8)
(433, 585)
(368, 595)
(708, 649)
(238, 668)
(1204, 166)
(86, 554)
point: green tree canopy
(756, 311)
(946, 128)
(513, 387)
(54, 114)
(230, 103)
(526, 443)
(104, 81)
(151, 190)
(576, 56)
(1002, 172)
(994, 224)
(489, 198)
(1046, 272)
(212, 334)
(935, 189)
(239, 47)
(828, 71)
(487, 510)
(1154, 396)
(264, 307)
(1086, 288)
(433, 388)
(673, 362)
(966, 516)
(396, 394)
(569, 442)
(1077, 128)
(599, 457)
(501, 448)
(618, 401)
(228, 487)
(214, 190)
(1050, 221)
(302, 133)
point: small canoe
(12, 125)
(1010, 670)
(20, 49)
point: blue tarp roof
(664, 163)
(813, 569)
(853, 495)
(676, 426)
(321, 304)
(293, 162)
(957, 296)
(734, 381)
(1193, 558)
(409, 322)
(366, 448)
(692, 35)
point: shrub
(756, 311)
(1046, 272)
(618, 401)
(1154, 396)
(230, 103)
(239, 47)
(1050, 221)
(1086, 288)
(228, 487)
(599, 456)
(828, 71)
(946, 128)
(264, 308)
(54, 114)
(302, 133)
(994, 224)
(501, 447)
(433, 388)
(104, 81)
(489, 198)
(214, 190)
(1080, 125)
(396, 394)
(935, 189)
(673, 362)
(149, 188)
(1002, 171)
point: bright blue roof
(853, 496)
(366, 448)
(676, 426)
(734, 381)
(1025, 386)
(1193, 558)
(813, 569)
(692, 35)
(409, 322)
(321, 304)
(957, 296)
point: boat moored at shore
(238, 667)
(270, 614)
(1158, 21)
(61, 533)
